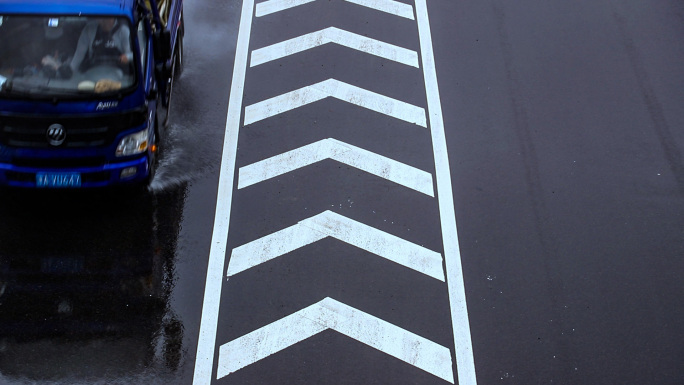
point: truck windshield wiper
(10, 88)
(38, 91)
(53, 91)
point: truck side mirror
(162, 46)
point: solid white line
(389, 6)
(463, 345)
(272, 6)
(338, 90)
(361, 159)
(217, 254)
(337, 36)
(330, 224)
(331, 314)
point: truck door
(144, 46)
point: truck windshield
(64, 56)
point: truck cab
(85, 87)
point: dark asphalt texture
(564, 130)
(565, 143)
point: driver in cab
(106, 41)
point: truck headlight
(133, 144)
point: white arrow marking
(389, 6)
(330, 224)
(337, 36)
(338, 90)
(331, 314)
(370, 162)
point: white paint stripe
(329, 224)
(270, 247)
(331, 314)
(370, 162)
(457, 297)
(386, 337)
(217, 254)
(389, 6)
(265, 341)
(287, 162)
(386, 168)
(339, 90)
(337, 36)
(376, 102)
(272, 6)
(283, 103)
(378, 242)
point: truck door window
(142, 43)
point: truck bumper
(131, 171)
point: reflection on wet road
(106, 288)
(85, 282)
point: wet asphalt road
(564, 129)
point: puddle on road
(87, 281)
(186, 157)
(87, 278)
(194, 139)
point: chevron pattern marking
(331, 314)
(389, 6)
(337, 36)
(330, 224)
(338, 90)
(368, 161)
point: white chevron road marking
(331, 314)
(389, 6)
(338, 90)
(330, 224)
(273, 6)
(337, 36)
(361, 159)
(392, 7)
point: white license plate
(58, 179)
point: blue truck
(85, 88)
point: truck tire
(154, 160)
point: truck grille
(82, 131)
(36, 137)
(61, 162)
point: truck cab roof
(68, 7)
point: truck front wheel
(153, 158)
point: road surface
(379, 192)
